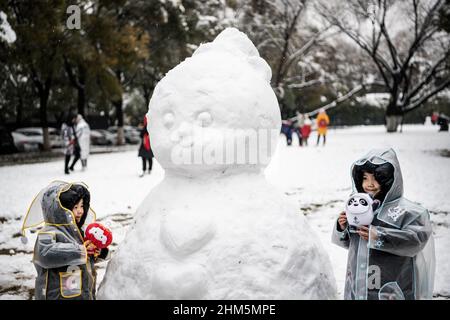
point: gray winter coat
(67, 135)
(400, 264)
(64, 270)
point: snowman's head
(215, 111)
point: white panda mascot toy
(360, 209)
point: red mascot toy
(98, 234)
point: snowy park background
(375, 66)
(317, 178)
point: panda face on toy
(358, 205)
(359, 209)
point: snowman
(214, 228)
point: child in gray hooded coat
(393, 258)
(63, 260)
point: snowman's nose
(185, 129)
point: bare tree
(275, 27)
(413, 65)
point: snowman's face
(357, 205)
(203, 107)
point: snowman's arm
(408, 241)
(340, 238)
(48, 253)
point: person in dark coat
(70, 143)
(145, 150)
(443, 121)
(286, 129)
(63, 260)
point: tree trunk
(146, 95)
(19, 113)
(43, 99)
(392, 122)
(120, 136)
(394, 116)
(81, 102)
(81, 88)
(119, 115)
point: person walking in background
(145, 150)
(300, 121)
(322, 122)
(83, 136)
(286, 129)
(306, 129)
(68, 137)
(442, 121)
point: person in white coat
(83, 133)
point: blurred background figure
(442, 121)
(68, 137)
(300, 121)
(322, 122)
(434, 117)
(306, 130)
(145, 150)
(286, 129)
(83, 136)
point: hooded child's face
(78, 210)
(370, 184)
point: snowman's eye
(363, 202)
(350, 202)
(168, 120)
(204, 119)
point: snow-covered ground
(317, 177)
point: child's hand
(90, 247)
(97, 252)
(364, 233)
(342, 220)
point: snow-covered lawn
(317, 177)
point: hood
(52, 210)
(69, 196)
(47, 207)
(380, 157)
(81, 123)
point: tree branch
(424, 98)
(431, 74)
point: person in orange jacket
(322, 122)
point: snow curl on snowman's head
(216, 112)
